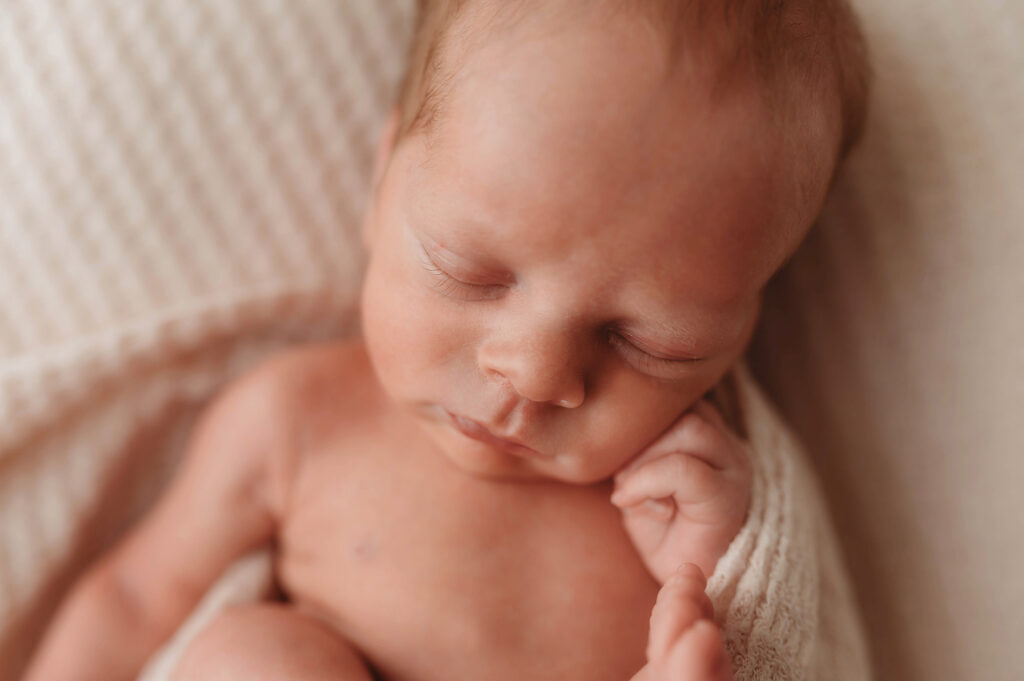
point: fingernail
(683, 570)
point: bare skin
(523, 595)
(568, 260)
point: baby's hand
(685, 497)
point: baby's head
(577, 205)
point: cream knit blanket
(180, 184)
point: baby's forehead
(713, 44)
(624, 59)
(614, 150)
(805, 58)
(597, 241)
(602, 125)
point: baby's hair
(794, 48)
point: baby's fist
(685, 497)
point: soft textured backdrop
(894, 341)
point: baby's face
(572, 257)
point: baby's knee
(269, 641)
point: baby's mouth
(476, 431)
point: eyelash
(648, 360)
(449, 286)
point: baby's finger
(710, 438)
(659, 510)
(682, 601)
(690, 434)
(684, 478)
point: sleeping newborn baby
(513, 473)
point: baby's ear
(385, 145)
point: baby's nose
(542, 367)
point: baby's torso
(434, 574)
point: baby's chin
(493, 466)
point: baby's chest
(437, 575)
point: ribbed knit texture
(181, 184)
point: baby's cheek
(626, 413)
(384, 324)
(406, 335)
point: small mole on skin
(364, 549)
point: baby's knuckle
(699, 430)
(681, 464)
(692, 421)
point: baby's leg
(273, 642)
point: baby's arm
(223, 502)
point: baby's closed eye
(461, 287)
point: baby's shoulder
(311, 391)
(298, 385)
(287, 405)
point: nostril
(545, 377)
(497, 377)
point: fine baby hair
(801, 53)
